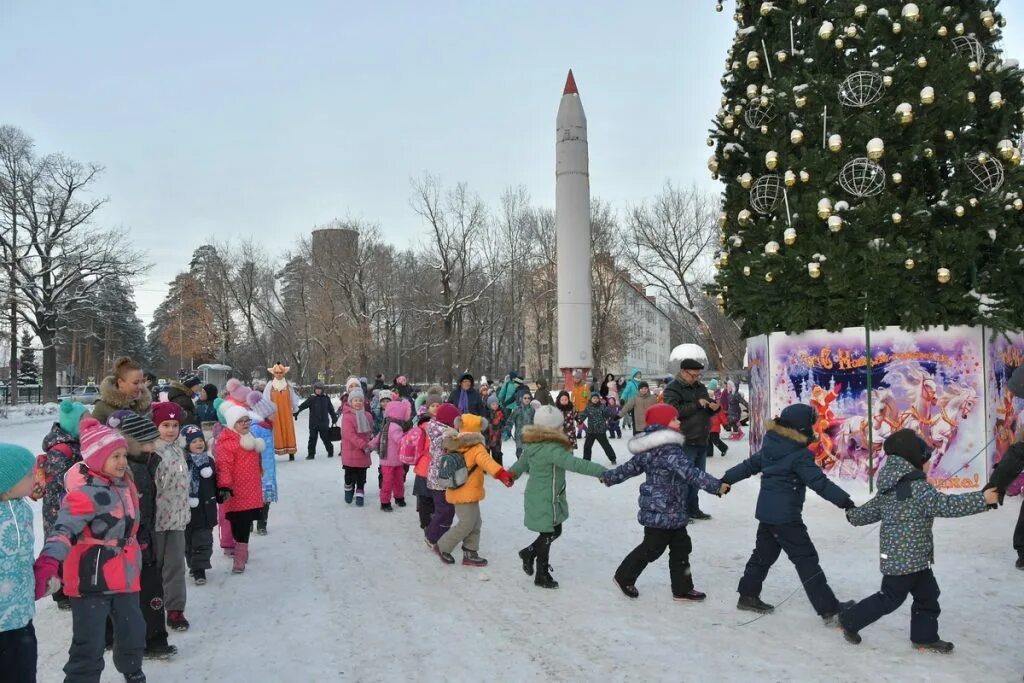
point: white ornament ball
(772, 248)
(876, 149)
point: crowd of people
(132, 492)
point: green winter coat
(906, 504)
(546, 457)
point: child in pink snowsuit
(387, 444)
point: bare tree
(609, 324)
(671, 239)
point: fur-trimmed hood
(655, 438)
(462, 441)
(112, 396)
(537, 434)
(788, 433)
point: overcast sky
(220, 120)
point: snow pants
(19, 652)
(614, 430)
(924, 612)
(241, 523)
(227, 541)
(698, 455)
(198, 548)
(465, 531)
(170, 556)
(89, 615)
(793, 538)
(355, 477)
(324, 434)
(679, 546)
(542, 546)
(442, 517)
(601, 438)
(393, 483)
(151, 604)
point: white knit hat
(548, 416)
(233, 413)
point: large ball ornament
(897, 218)
(943, 276)
(862, 177)
(1005, 148)
(897, 178)
(911, 12)
(771, 160)
(909, 264)
(753, 60)
(746, 180)
(922, 62)
(789, 236)
(789, 179)
(928, 95)
(814, 270)
(746, 271)
(835, 143)
(766, 194)
(905, 113)
(824, 208)
(835, 224)
(876, 149)
(826, 30)
(768, 277)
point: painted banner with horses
(760, 389)
(932, 381)
(1006, 413)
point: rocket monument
(572, 221)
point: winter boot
(330, 454)
(62, 600)
(445, 557)
(528, 555)
(311, 456)
(749, 603)
(359, 498)
(700, 515)
(471, 558)
(291, 458)
(199, 576)
(350, 492)
(400, 502)
(692, 596)
(241, 557)
(137, 677)
(832, 618)
(176, 621)
(852, 637)
(162, 651)
(261, 528)
(942, 647)
(544, 578)
(386, 507)
(628, 590)
(1019, 565)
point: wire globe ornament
(766, 194)
(758, 115)
(970, 48)
(861, 89)
(862, 177)
(986, 171)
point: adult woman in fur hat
(124, 389)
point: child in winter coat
(715, 439)
(387, 443)
(734, 411)
(596, 419)
(17, 598)
(546, 457)
(141, 437)
(356, 433)
(522, 417)
(636, 406)
(470, 442)
(439, 428)
(202, 499)
(658, 453)
(421, 467)
(97, 527)
(62, 451)
(614, 427)
(564, 403)
(580, 399)
(239, 479)
(495, 428)
(261, 412)
(172, 512)
(906, 505)
(787, 470)
(206, 412)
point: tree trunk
(49, 364)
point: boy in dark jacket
(322, 417)
(658, 453)
(206, 411)
(787, 470)
(202, 500)
(596, 417)
(906, 505)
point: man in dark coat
(1010, 467)
(322, 417)
(787, 470)
(180, 393)
(696, 407)
(466, 398)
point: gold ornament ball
(746, 271)
(909, 264)
(943, 32)
(766, 8)
(950, 135)
(887, 81)
(960, 211)
(746, 180)
(805, 177)
(897, 218)
(943, 276)
(973, 201)
(971, 97)
(790, 179)
(929, 152)
(988, 19)
(744, 217)
(753, 60)
(922, 62)
(719, 7)
(738, 109)
(720, 300)
(835, 223)
(840, 44)
(711, 142)
(764, 101)
(824, 209)
(729, 122)
(771, 160)
(796, 137)
(782, 56)
(973, 66)
(1005, 148)
(800, 101)
(724, 259)
(996, 100)
(713, 164)
(897, 28)
(752, 91)
(764, 130)
(911, 12)
(789, 236)
(835, 143)
(860, 11)
(928, 95)
(768, 277)
(1018, 204)
(897, 178)
(825, 32)
(814, 270)
(772, 248)
(959, 29)
(876, 149)
(723, 220)
(851, 31)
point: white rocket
(572, 221)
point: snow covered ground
(341, 593)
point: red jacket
(718, 420)
(353, 441)
(240, 470)
(422, 468)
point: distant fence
(27, 393)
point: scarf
(196, 462)
(363, 424)
(463, 401)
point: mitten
(505, 477)
(848, 504)
(223, 495)
(45, 569)
(295, 416)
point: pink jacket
(352, 441)
(398, 410)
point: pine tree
(28, 371)
(871, 162)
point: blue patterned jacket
(18, 584)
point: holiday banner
(1005, 354)
(931, 381)
(760, 389)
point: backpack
(42, 480)
(452, 472)
(409, 448)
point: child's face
(595, 400)
(564, 401)
(525, 400)
(242, 425)
(117, 464)
(384, 404)
(23, 488)
(644, 391)
(197, 446)
(432, 409)
(202, 395)
(356, 403)
(674, 425)
(168, 430)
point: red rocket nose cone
(570, 85)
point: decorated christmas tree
(28, 371)
(870, 153)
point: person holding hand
(695, 407)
